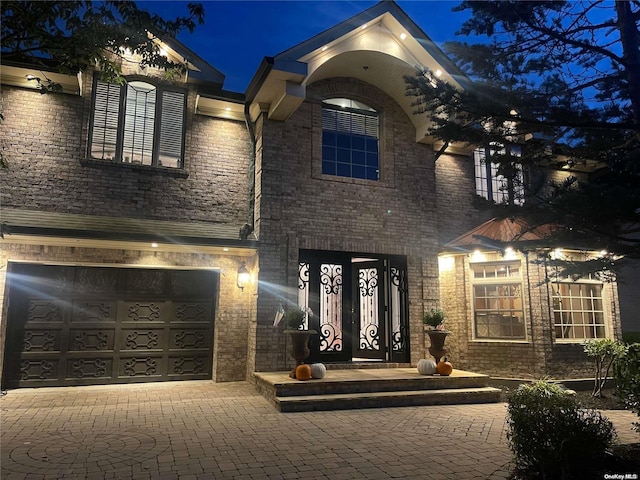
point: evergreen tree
(561, 79)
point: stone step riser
(370, 386)
(398, 400)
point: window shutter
(171, 128)
(106, 112)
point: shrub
(434, 318)
(550, 436)
(626, 371)
(604, 352)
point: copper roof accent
(501, 230)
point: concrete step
(344, 389)
(398, 398)
(372, 385)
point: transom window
(497, 301)
(138, 123)
(492, 185)
(350, 139)
(578, 312)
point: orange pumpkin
(303, 372)
(444, 367)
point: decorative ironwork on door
(359, 305)
(369, 318)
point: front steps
(344, 389)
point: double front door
(358, 306)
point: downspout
(252, 90)
(252, 166)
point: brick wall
(45, 144)
(299, 208)
(540, 355)
(456, 191)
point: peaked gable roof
(379, 46)
(494, 233)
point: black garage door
(77, 325)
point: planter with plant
(434, 321)
(294, 320)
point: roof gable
(379, 46)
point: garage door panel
(101, 281)
(42, 371)
(194, 312)
(146, 366)
(45, 311)
(91, 339)
(196, 338)
(93, 311)
(145, 282)
(89, 369)
(44, 339)
(195, 365)
(116, 325)
(191, 284)
(142, 339)
(142, 312)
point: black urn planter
(437, 348)
(299, 346)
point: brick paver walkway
(202, 430)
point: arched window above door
(350, 139)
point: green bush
(551, 437)
(626, 371)
(604, 351)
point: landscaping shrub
(604, 351)
(626, 371)
(551, 437)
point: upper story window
(138, 123)
(497, 301)
(578, 312)
(492, 185)
(350, 136)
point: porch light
(403, 36)
(243, 276)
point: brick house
(129, 211)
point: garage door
(76, 325)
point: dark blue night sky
(238, 34)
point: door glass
(303, 290)
(369, 320)
(330, 307)
(397, 296)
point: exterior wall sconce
(243, 276)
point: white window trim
(120, 157)
(606, 312)
(471, 299)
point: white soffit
(219, 108)
(19, 77)
(380, 51)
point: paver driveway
(203, 430)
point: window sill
(500, 340)
(150, 169)
(575, 341)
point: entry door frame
(339, 275)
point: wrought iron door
(369, 311)
(360, 308)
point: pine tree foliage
(75, 34)
(561, 79)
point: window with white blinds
(138, 123)
(350, 134)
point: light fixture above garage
(243, 276)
